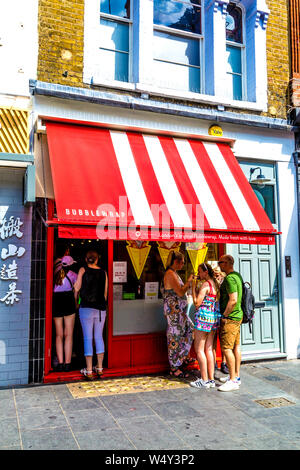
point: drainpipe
(296, 156)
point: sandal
(88, 374)
(189, 361)
(99, 371)
(181, 375)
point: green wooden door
(257, 265)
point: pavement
(157, 413)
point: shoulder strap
(69, 281)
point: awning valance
(149, 186)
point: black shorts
(63, 304)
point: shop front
(134, 196)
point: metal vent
(275, 402)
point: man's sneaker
(238, 380)
(229, 386)
(224, 368)
(225, 379)
(200, 384)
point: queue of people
(218, 311)
(86, 292)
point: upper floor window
(235, 51)
(177, 49)
(115, 38)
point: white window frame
(185, 34)
(242, 46)
(92, 45)
(141, 54)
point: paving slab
(156, 413)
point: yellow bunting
(164, 249)
(138, 251)
(197, 253)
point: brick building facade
(238, 78)
(17, 188)
(61, 49)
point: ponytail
(212, 275)
(173, 255)
(59, 277)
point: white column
(91, 62)
(143, 38)
(260, 48)
(219, 47)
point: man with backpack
(232, 316)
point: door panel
(258, 265)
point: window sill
(179, 94)
(200, 98)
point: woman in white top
(64, 309)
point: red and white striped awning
(151, 185)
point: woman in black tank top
(92, 285)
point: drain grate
(275, 402)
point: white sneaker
(200, 384)
(225, 379)
(212, 383)
(229, 386)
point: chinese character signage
(10, 232)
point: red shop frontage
(133, 196)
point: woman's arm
(198, 298)
(232, 301)
(78, 284)
(171, 282)
(106, 287)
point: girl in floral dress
(179, 325)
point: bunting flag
(138, 251)
(197, 253)
(164, 249)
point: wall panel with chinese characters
(15, 262)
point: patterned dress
(179, 326)
(207, 316)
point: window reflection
(177, 61)
(185, 16)
(265, 195)
(116, 7)
(234, 23)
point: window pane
(234, 23)
(114, 65)
(265, 195)
(116, 7)
(234, 87)
(184, 16)
(177, 77)
(114, 35)
(176, 49)
(234, 64)
(237, 87)
(133, 312)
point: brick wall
(60, 58)
(295, 51)
(61, 34)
